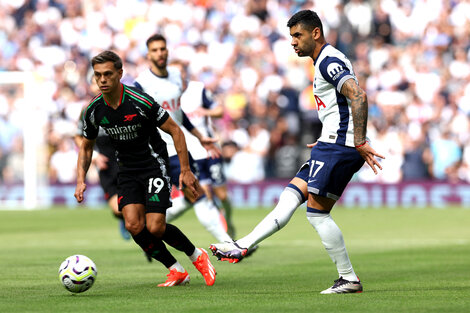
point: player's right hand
(212, 149)
(79, 190)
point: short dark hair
(156, 37)
(107, 56)
(308, 18)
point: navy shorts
(330, 168)
(147, 186)
(175, 169)
(211, 171)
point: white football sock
(193, 257)
(332, 239)
(180, 205)
(288, 202)
(208, 215)
(178, 267)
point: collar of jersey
(321, 50)
(120, 100)
(163, 76)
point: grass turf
(408, 260)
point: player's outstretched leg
(228, 251)
(235, 251)
(342, 285)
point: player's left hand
(209, 144)
(189, 181)
(101, 161)
(311, 145)
(369, 154)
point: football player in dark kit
(130, 117)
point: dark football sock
(175, 238)
(154, 247)
(227, 205)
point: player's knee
(157, 229)
(134, 227)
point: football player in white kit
(165, 85)
(200, 107)
(339, 152)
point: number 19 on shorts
(156, 183)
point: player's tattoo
(85, 164)
(85, 157)
(359, 108)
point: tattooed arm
(359, 108)
(83, 164)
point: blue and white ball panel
(211, 171)
(175, 168)
(330, 168)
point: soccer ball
(77, 273)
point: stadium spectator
(446, 155)
(63, 161)
(13, 170)
(416, 161)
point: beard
(160, 64)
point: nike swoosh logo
(312, 181)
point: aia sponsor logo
(320, 104)
(171, 105)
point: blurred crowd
(411, 56)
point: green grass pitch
(409, 260)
